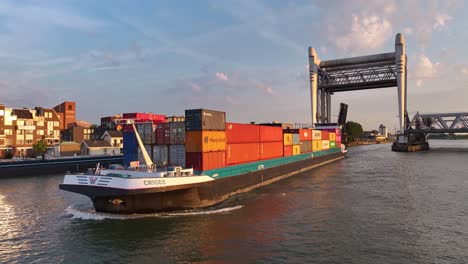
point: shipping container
(203, 119)
(177, 133)
(316, 134)
(242, 153)
(149, 150)
(130, 148)
(296, 149)
(325, 144)
(287, 139)
(143, 117)
(338, 139)
(305, 134)
(296, 139)
(316, 145)
(242, 133)
(332, 144)
(205, 141)
(332, 136)
(306, 146)
(177, 155)
(282, 125)
(271, 134)
(160, 154)
(325, 135)
(163, 134)
(270, 150)
(202, 161)
(288, 151)
(146, 131)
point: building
(21, 128)
(115, 138)
(170, 119)
(79, 133)
(67, 114)
(383, 130)
(108, 122)
(98, 147)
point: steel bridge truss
(440, 123)
(357, 73)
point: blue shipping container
(130, 148)
(296, 139)
(203, 119)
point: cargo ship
(220, 159)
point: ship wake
(90, 214)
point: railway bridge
(384, 70)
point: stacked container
(243, 143)
(177, 143)
(325, 140)
(205, 139)
(271, 142)
(288, 144)
(305, 136)
(316, 140)
(296, 143)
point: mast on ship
(149, 163)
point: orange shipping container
(242, 133)
(296, 149)
(287, 139)
(316, 134)
(305, 134)
(271, 134)
(205, 141)
(332, 136)
(271, 150)
(242, 153)
(288, 151)
(316, 145)
(203, 161)
(325, 135)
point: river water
(375, 206)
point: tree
(40, 148)
(353, 130)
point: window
(20, 122)
(121, 141)
(19, 132)
(70, 107)
(29, 141)
(29, 122)
(40, 132)
(29, 132)
(40, 123)
(56, 123)
(2, 112)
(19, 141)
(8, 132)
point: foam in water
(92, 215)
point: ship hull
(199, 195)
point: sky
(248, 58)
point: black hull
(198, 195)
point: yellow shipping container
(205, 141)
(316, 135)
(316, 145)
(332, 136)
(287, 138)
(296, 149)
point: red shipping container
(338, 139)
(203, 161)
(242, 133)
(242, 153)
(271, 134)
(288, 151)
(325, 135)
(270, 150)
(145, 117)
(305, 134)
(163, 134)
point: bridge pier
(410, 142)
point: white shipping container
(325, 144)
(177, 155)
(316, 134)
(160, 155)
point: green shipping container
(332, 144)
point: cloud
(464, 70)
(195, 87)
(441, 21)
(221, 76)
(366, 32)
(424, 69)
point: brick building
(21, 128)
(67, 114)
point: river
(375, 206)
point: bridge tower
(376, 71)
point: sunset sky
(248, 58)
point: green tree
(353, 130)
(40, 148)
